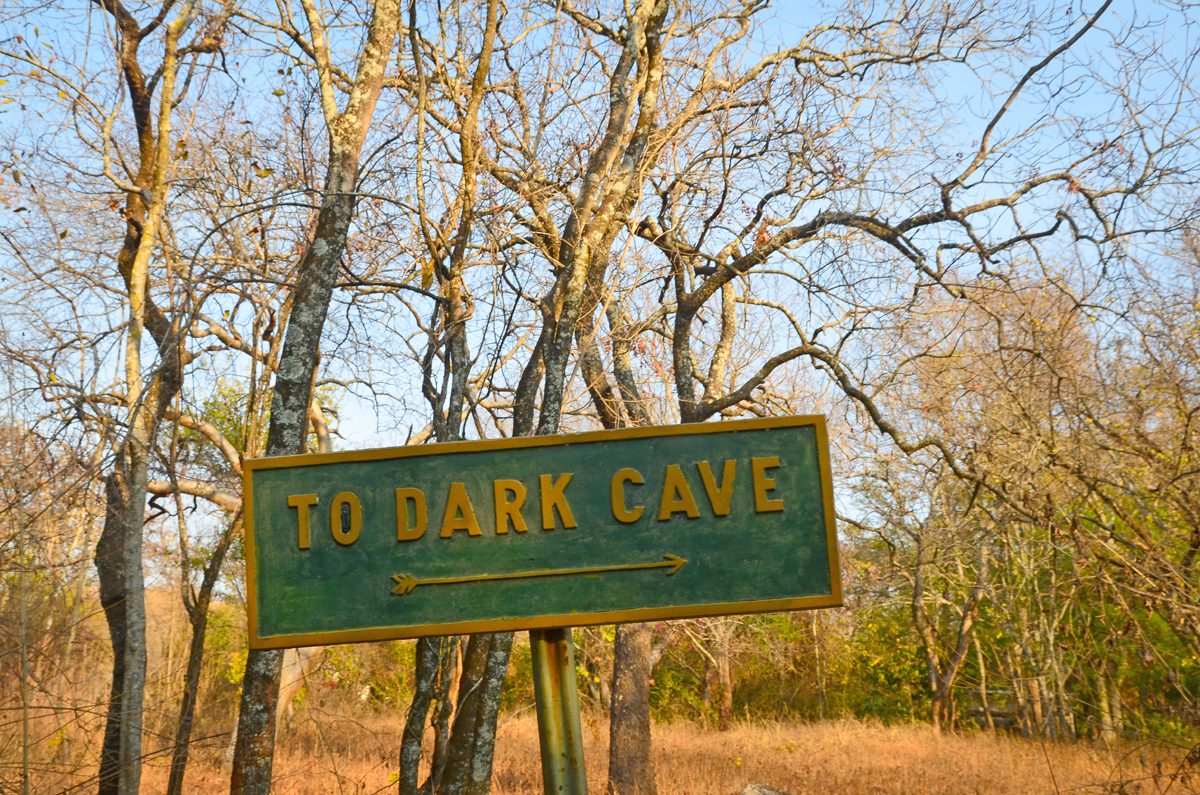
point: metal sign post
(557, 696)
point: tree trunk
(630, 765)
(442, 713)
(254, 749)
(725, 681)
(119, 549)
(1106, 717)
(297, 665)
(119, 570)
(434, 661)
(817, 669)
(317, 271)
(940, 707)
(1115, 704)
(1064, 711)
(197, 610)
(462, 753)
(1035, 697)
(187, 705)
(983, 694)
(468, 765)
(1023, 715)
(942, 676)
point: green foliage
(393, 686)
(787, 663)
(225, 652)
(677, 692)
(885, 675)
(374, 674)
(225, 409)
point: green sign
(591, 528)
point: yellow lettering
(554, 498)
(676, 496)
(619, 510)
(303, 502)
(347, 537)
(459, 513)
(403, 496)
(506, 510)
(719, 497)
(763, 484)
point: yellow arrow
(405, 583)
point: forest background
(965, 232)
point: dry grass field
(326, 755)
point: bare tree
(316, 274)
(143, 175)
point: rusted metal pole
(559, 730)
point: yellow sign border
(250, 466)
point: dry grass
(345, 749)
(846, 758)
(326, 755)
